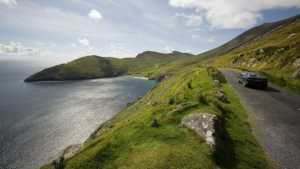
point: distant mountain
(90, 67)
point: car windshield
(252, 74)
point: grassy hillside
(89, 67)
(276, 53)
(247, 37)
(130, 141)
(83, 68)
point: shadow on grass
(224, 153)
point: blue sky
(61, 30)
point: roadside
(276, 113)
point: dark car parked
(250, 79)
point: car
(254, 80)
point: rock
(221, 96)
(204, 125)
(217, 83)
(292, 35)
(252, 61)
(261, 51)
(296, 63)
(296, 74)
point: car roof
(252, 74)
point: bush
(216, 74)
(155, 123)
(58, 164)
(190, 85)
(172, 100)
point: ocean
(39, 120)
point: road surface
(276, 116)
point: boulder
(221, 96)
(296, 74)
(204, 124)
(292, 35)
(296, 63)
(217, 83)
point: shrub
(216, 74)
(190, 85)
(172, 100)
(155, 123)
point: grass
(150, 64)
(130, 142)
(273, 54)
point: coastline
(72, 150)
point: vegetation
(90, 67)
(275, 54)
(148, 134)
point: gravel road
(276, 116)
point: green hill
(84, 68)
(275, 52)
(247, 37)
(91, 67)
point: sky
(61, 30)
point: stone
(204, 125)
(259, 51)
(296, 63)
(217, 83)
(292, 35)
(221, 96)
(296, 74)
(253, 60)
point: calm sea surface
(39, 120)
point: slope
(275, 53)
(247, 37)
(90, 67)
(130, 141)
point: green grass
(280, 50)
(129, 142)
(150, 64)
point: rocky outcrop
(296, 74)
(204, 124)
(221, 96)
(296, 63)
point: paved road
(276, 115)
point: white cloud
(9, 2)
(233, 13)
(192, 20)
(84, 41)
(168, 49)
(211, 40)
(94, 14)
(17, 48)
(119, 50)
(74, 45)
(194, 36)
